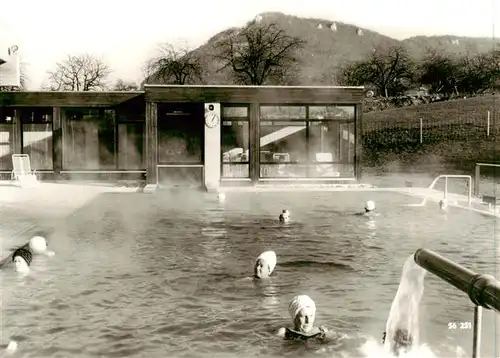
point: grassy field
(454, 136)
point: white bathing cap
(270, 258)
(38, 244)
(370, 205)
(299, 302)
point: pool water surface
(163, 275)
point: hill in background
(331, 44)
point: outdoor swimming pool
(160, 275)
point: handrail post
(476, 338)
(446, 187)
(470, 192)
(476, 179)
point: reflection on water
(161, 275)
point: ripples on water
(157, 276)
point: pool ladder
(483, 290)
(446, 176)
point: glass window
(235, 141)
(240, 112)
(181, 133)
(320, 146)
(283, 149)
(89, 139)
(7, 140)
(131, 126)
(37, 136)
(131, 146)
(327, 149)
(282, 112)
(331, 113)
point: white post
(488, 125)
(476, 337)
(421, 128)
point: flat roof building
(169, 134)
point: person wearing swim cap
(369, 210)
(264, 265)
(221, 197)
(22, 259)
(38, 246)
(302, 311)
(284, 216)
(369, 206)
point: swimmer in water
(443, 204)
(369, 209)
(221, 197)
(264, 265)
(303, 312)
(38, 246)
(369, 206)
(284, 216)
(402, 342)
(22, 260)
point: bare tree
(440, 71)
(79, 73)
(480, 73)
(174, 64)
(121, 85)
(390, 71)
(23, 76)
(259, 54)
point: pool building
(210, 136)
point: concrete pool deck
(24, 210)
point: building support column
(254, 117)
(57, 142)
(358, 140)
(212, 150)
(151, 147)
(18, 132)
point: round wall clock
(211, 120)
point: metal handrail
(446, 176)
(483, 290)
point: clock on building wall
(211, 119)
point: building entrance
(180, 144)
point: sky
(126, 34)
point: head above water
(38, 245)
(369, 206)
(303, 312)
(264, 264)
(443, 204)
(284, 216)
(22, 260)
